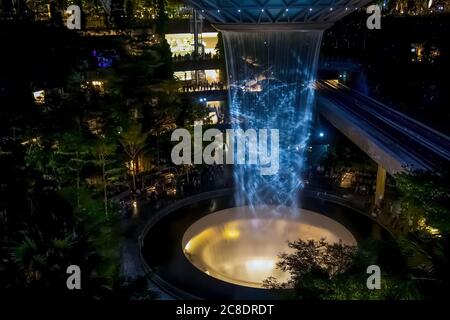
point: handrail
(157, 280)
(180, 294)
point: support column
(195, 30)
(381, 185)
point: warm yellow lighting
(183, 75)
(424, 226)
(97, 83)
(346, 180)
(187, 247)
(212, 75)
(31, 141)
(171, 192)
(238, 246)
(39, 96)
(231, 232)
(183, 43)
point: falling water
(271, 77)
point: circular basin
(241, 245)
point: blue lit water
(271, 77)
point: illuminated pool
(212, 249)
(238, 246)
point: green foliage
(103, 151)
(133, 140)
(425, 195)
(354, 288)
(316, 256)
(313, 261)
(103, 232)
(427, 260)
(47, 238)
(338, 272)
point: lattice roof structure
(286, 13)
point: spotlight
(321, 134)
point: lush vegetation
(414, 264)
(64, 158)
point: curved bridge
(392, 139)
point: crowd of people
(191, 57)
(356, 181)
(203, 86)
(166, 187)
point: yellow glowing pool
(239, 246)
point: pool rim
(155, 218)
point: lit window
(39, 96)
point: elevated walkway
(392, 139)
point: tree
(425, 201)
(133, 141)
(44, 248)
(73, 148)
(427, 261)
(40, 233)
(102, 151)
(338, 272)
(320, 258)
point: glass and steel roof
(275, 11)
